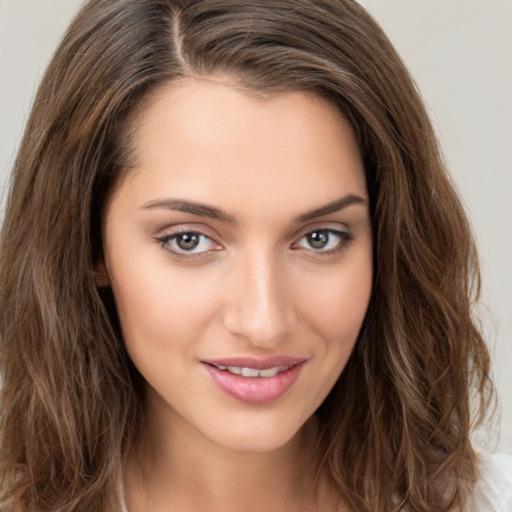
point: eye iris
(188, 241)
(318, 239)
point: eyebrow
(333, 207)
(204, 210)
(200, 209)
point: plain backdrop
(460, 53)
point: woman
(235, 274)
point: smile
(253, 381)
(253, 372)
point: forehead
(207, 138)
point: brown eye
(318, 239)
(188, 241)
(324, 240)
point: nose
(259, 306)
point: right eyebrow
(332, 207)
(181, 205)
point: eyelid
(172, 231)
(188, 227)
(334, 226)
(341, 230)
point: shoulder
(493, 490)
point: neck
(179, 469)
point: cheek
(160, 310)
(334, 311)
(336, 303)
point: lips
(252, 380)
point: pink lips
(255, 390)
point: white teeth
(253, 372)
(270, 372)
(250, 372)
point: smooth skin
(243, 230)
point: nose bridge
(260, 307)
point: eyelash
(166, 239)
(345, 239)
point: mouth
(248, 372)
(254, 381)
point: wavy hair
(395, 428)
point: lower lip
(254, 390)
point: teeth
(253, 372)
(250, 372)
(270, 372)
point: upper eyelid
(334, 226)
(170, 231)
(169, 236)
(184, 255)
(203, 229)
(337, 232)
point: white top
(493, 490)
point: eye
(188, 242)
(324, 240)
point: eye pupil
(187, 241)
(318, 239)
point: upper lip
(257, 364)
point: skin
(253, 287)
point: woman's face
(239, 251)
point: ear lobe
(101, 274)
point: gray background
(460, 53)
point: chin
(264, 434)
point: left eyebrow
(332, 207)
(199, 209)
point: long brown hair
(395, 428)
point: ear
(101, 274)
